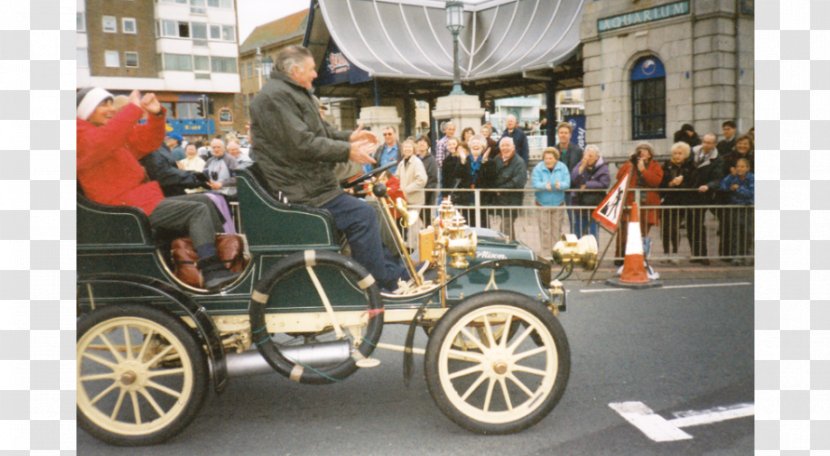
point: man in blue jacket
(550, 178)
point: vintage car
(150, 345)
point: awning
(409, 39)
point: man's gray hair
(288, 57)
(592, 148)
(505, 139)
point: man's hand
(150, 103)
(558, 186)
(215, 185)
(360, 134)
(582, 166)
(582, 187)
(361, 152)
(734, 187)
(547, 186)
(703, 188)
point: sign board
(609, 211)
(225, 116)
(579, 131)
(337, 69)
(190, 127)
(657, 13)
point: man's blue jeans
(358, 221)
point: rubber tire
(484, 299)
(271, 352)
(201, 375)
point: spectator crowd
(700, 175)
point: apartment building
(185, 51)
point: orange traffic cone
(634, 273)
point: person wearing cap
(173, 141)
(297, 152)
(109, 145)
(550, 178)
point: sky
(252, 13)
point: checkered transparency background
(37, 227)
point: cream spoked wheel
(497, 381)
(142, 377)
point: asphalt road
(673, 349)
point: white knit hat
(88, 99)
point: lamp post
(455, 22)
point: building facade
(185, 51)
(257, 53)
(651, 66)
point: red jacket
(108, 168)
(652, 177)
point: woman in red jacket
(109, 147)
(644, 172)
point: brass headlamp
(570, 251)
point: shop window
(648, 99)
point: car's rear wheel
(142, 375)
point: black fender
(205, 327)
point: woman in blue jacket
(551, 178)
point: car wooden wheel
(142, 376)
(507, 382)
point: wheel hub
(500, 367)
(128, 378)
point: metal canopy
(408, 39)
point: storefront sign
(656, 13)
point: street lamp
(455, 22)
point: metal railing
(695, 232)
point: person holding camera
(645, 173)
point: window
(227, 33)
(187, 110)
(109, 24)
(184, 30)
(111, 59)
(81, 57)
(128, 25)
(220, 3)
(250, 69)
(201, 63)
(169, 28)
(223, 64)
(199, 30)
(131, 59)
(215, 32)
(648, 99)
(80, 21)
(177, 62)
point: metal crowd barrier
(698, 233)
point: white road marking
(670, 287)
(699, 417)
(652, 425)
(660, 429)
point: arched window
(648, 99)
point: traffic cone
(634, 273)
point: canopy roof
(408, 39)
